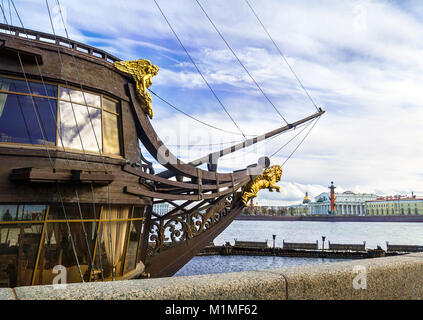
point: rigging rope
(283, 56)
(61, 140)
(22, 114)
(296, 148)
(80, 138)
(10, 13)
(198, 120)
(240, 62)
(60, 136)
(80, 84)
(42, 129)
(198, 70)
(283, 146)
(92, 127)
(204, 145)
(315, 122)
(2, 5)
(279, 134)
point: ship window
(76, 125)
(20, 86)
(90, 118)
(111, 134)
(77, 96)
(44, 114)
(20, 232)
(36, 238)
(24, 117)
(110, 105)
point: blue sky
(362, 61)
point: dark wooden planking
(25, 192)
(165, 182)
(167, 196)
(29, 55)
(65, 176)
(40, 152)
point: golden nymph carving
(142, 71)
(267, 180)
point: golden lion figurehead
(267, 180)
(273, 173)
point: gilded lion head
(273, 173)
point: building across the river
(347, 203)
(395, 205)
(161, 208)
(360, 204)
(259, 210)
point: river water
(374, 233)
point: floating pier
(308, 250)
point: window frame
(57, 99)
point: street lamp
(323, 243)
(274, 238)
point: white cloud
(361, 60)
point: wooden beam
(48, 175)
(135, 190)
(165, 182)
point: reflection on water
(222, 264)
(374, 233)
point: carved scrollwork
(185, 226)
(156, 237)
(177, 229)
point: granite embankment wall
(397, 277)
(350, 218)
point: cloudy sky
(361, 61)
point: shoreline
(230, 250)
(351, 218)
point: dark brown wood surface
(169, 261)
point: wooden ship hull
(75, 190)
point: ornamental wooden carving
(142, 70)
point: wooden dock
(306, 250)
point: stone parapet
(389, 278)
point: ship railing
(45, 38)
